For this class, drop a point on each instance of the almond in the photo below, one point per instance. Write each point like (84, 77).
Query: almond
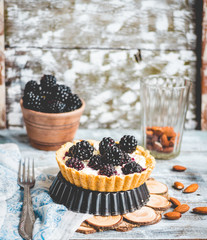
(182, 208)
(169, 131)
(157, 146)
(179, 168)
(168, 149)
(191, 188)
(155, 138)
(178, 185)
(157, 131)
(172, 142)
(149, 133)
(175, 201)
(172, 215)
(164, 141)
(149, 147)
(200, 210)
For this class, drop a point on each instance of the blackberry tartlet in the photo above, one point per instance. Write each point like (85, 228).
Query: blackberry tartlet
(105, 166)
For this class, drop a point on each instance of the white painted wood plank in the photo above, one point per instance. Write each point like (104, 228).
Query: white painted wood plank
(114, 24)
(91, 47)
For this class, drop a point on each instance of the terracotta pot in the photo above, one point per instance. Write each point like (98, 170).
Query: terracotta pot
(48, 131)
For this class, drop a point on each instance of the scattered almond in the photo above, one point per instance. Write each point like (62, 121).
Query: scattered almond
(172, 215)
(179, 168)
(175, 201)
(200, 210)
(178, 185)
(182, 208)
(191, 188)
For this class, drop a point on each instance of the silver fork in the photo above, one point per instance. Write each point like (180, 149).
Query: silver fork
(26, 181)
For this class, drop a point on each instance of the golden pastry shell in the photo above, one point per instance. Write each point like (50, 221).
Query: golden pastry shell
(103, 183)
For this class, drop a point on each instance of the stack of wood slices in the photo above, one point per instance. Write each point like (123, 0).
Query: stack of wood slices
(159, 202)
(150, 214)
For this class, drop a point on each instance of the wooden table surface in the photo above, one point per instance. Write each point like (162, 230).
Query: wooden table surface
(193, 155)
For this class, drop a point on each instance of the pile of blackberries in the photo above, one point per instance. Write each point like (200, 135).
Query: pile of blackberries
(50, 97)
(111, 155)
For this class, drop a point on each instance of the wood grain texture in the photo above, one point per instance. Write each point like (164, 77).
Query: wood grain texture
(193, 156)
(91, 46)
(108, 80)
(100, 24)
(2, 69)
(204, 68)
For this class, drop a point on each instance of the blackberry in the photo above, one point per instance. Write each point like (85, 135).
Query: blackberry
(62, 93)
(73, 102)
(125, 158)
(95, 162)
(105, 143)
(74, 163)
(46, 94)
(128, 143)
(131, 167)
(54, 106)
(31, 86)
(32, 101)
(113, 155)
(83, 150)
(107, 170)
(48, 81)
(71, 151)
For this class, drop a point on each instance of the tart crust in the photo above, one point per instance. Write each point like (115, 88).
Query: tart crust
(103, 183)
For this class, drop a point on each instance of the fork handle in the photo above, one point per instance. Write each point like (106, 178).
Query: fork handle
(27, 218)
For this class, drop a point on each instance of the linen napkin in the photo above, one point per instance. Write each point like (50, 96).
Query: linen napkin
(53, 221)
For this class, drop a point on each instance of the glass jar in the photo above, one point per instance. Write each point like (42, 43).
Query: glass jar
(164, 101)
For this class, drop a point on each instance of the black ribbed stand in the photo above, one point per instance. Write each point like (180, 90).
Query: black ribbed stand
(81, 200)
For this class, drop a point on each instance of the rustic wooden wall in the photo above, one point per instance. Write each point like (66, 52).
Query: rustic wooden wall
(204, 68)
(91, 46)
(2, 68)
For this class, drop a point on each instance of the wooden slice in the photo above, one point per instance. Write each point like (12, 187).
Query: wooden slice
(158, 219)
(150, 179)
(86, 229)
(156, 187)
(143, 216)
(108, 222)
(124, 227)
(158, 202)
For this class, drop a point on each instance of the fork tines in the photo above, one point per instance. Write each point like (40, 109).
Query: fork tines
(25, 167)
